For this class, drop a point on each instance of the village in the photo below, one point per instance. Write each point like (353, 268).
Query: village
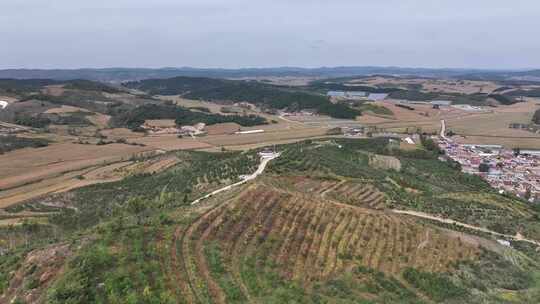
(509, 171)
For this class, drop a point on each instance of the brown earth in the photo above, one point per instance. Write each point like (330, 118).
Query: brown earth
(41, 267)
(30, 165)
(223, 128)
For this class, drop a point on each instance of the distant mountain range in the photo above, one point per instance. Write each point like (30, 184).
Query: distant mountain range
(134, 74)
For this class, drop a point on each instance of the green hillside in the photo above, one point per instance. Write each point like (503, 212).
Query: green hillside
(319, 226)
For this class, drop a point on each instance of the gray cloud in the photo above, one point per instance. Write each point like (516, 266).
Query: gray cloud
(242, 33)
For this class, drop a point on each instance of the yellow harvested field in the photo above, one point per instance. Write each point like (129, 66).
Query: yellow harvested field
(171, 142)
(266, 137)
(222, 128)
(188, 103)
(160, 123)
(118, 133)
(371, 119)
(30, 165)
(490, 126)
(85, 177)
(433, 85)
(61, 183)
(531, 143)
(493, 128)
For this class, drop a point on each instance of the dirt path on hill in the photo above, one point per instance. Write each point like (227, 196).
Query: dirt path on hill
(517, 237)
(264, 161)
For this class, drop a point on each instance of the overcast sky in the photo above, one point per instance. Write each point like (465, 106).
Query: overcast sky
(267, 33)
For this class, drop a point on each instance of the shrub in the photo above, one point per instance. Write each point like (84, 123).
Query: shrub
(436, 286)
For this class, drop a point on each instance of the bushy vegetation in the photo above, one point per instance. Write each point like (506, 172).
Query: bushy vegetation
(11, 142)
(274, 98)
(325, 85)
(24, 86)
(414, 95)
(80, 283)
(33, 121)
(376, 109)
(503, 99)
(87, 85)
(477, 99)
(268, 96)
(183, 116)
(524, 93)
(179, 185)
(8, 263)
(437, 286)
(422, 184)
(175, 85)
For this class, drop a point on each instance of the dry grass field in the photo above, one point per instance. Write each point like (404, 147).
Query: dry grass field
(486, 127)
(493, 128)
(170, 142)
(118, 133)
(433, 85)
(63, 182)
(267, 137)
(188, 103)
(28, 165)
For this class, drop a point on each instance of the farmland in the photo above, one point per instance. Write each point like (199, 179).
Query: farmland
(331, 220)
(315, 227)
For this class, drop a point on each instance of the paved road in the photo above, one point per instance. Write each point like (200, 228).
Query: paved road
(264, 161)
(517, 237)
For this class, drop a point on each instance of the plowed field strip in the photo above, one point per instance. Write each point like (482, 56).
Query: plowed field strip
(291, 233)
(371, 245)
(293, 250)
(196, 282)
(326, 242)
(343, 253)
(327, 218)
(179, 269)
(306, 244)
(215, 290)
(332, 254)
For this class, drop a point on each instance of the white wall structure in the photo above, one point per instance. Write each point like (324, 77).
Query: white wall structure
(3, 104)
(249, 132)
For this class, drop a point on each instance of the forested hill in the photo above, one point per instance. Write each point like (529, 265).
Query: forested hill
(268, 96)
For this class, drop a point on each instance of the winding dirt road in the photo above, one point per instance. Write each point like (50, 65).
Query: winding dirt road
(264, 161)
(517, 237)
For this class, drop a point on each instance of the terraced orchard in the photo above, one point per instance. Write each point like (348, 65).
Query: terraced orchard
(265, 236)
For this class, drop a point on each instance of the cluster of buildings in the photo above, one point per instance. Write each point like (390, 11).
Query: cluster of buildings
(516, 172)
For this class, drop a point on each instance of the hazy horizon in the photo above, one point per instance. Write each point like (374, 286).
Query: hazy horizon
(62, 34)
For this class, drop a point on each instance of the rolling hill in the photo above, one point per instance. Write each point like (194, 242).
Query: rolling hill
(319, 226)
(265, 95)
